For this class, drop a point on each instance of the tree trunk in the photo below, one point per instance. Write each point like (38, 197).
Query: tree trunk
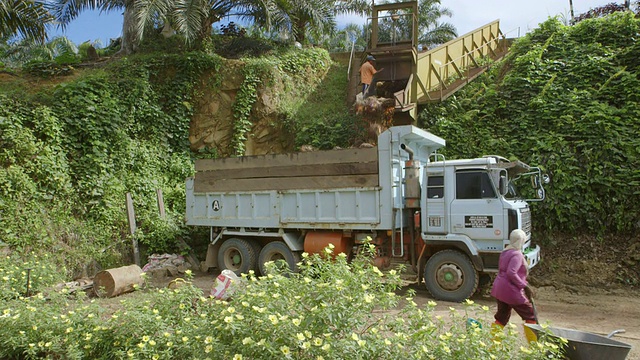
(129, 44)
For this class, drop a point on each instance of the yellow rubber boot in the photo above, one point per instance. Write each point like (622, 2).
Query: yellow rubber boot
(530, 334)
(496, 328)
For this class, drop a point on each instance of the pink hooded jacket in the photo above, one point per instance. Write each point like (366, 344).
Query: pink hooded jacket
(512, 272)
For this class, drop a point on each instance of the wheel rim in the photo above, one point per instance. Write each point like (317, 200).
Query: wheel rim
(449, 277)
(232, 259)
(276, 256)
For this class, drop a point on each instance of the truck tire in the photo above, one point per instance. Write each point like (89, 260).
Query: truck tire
(450, 276)
(277, 250)
(237, 255)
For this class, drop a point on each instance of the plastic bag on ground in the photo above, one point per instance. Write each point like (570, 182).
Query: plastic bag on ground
(226, 284)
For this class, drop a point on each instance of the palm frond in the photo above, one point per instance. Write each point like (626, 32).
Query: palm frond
(29, 19)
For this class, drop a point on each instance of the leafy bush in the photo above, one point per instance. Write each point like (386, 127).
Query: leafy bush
(329, 309)
(46, 69)
(15, 273)
(566, 98)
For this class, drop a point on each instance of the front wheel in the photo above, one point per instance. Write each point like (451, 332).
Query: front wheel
(450, 276)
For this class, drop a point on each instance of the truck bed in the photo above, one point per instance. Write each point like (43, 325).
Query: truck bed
(335, 189)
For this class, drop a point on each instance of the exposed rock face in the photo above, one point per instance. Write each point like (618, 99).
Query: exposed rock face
(212, 124)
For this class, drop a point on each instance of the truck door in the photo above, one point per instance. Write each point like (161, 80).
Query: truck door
(476, 209)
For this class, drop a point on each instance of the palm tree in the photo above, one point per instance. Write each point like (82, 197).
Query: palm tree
(59, 49)
(301, 18)
(25, 18)
(65, 11)
(194, 18)
(431, 31)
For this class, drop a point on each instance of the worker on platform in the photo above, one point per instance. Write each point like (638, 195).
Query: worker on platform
(367, 70)
(510, 283)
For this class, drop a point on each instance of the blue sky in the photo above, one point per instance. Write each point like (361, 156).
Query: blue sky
(517, 17)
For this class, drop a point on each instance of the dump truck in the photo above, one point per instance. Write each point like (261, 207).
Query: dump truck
(446, 219)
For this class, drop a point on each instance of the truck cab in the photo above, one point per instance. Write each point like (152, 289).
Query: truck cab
(469, 208)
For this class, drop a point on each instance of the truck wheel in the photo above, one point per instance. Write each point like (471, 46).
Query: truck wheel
(237, 255)
(277, 250)
(450, 276)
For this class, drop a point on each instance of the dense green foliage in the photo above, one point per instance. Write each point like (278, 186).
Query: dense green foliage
(329, 309)
(568, 99)
(70, 154)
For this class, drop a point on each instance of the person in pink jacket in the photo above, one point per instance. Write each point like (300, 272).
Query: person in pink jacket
(509, 286)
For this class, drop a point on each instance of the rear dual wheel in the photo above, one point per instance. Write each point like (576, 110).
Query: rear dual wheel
(237, 255)
(278, 251)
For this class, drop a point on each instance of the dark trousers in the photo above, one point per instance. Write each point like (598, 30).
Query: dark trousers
(504, 312)
(365, 88)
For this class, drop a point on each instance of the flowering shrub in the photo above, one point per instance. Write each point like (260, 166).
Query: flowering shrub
(14, 273)
(331, 309)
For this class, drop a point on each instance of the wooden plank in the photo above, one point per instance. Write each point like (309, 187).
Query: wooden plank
(290, 171)
(131, 217)
(294, 183)
(301, 158)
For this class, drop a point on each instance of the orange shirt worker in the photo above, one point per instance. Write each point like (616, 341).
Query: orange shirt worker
(367, 70)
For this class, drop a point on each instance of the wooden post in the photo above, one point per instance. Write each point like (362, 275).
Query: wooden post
(161, 204)
(132, 228)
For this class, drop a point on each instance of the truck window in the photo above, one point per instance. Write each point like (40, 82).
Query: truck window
(435, 187)
(474, 185)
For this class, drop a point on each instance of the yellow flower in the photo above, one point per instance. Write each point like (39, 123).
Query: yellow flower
(285, 350)
(185, 339)
(354, 336)
(237, 357)
(152, 343)
(141, 345)
(305, 345)
(295, 322)
(208, 340)
(247, 341)
(69, 329)
(300, 336)
(273, 319)
(130, 353)
(228, 319)
(326, 347)
(145, 338)
(208, 349)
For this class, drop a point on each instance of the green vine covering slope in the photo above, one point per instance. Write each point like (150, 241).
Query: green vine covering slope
(566, 98)
(69, 153)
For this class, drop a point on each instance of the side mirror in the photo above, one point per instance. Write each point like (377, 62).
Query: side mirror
(503, 185)
(546, 179)
(540, 193)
